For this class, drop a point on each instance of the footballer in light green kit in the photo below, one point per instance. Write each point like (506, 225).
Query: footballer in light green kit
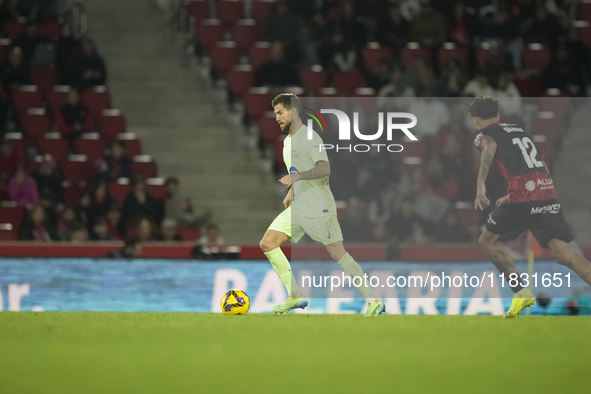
(309, 207)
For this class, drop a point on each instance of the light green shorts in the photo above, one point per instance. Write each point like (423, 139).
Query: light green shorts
(325, 229)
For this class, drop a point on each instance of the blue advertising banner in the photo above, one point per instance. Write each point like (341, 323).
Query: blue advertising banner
(79, 284)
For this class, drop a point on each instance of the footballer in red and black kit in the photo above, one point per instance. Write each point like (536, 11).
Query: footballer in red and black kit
(531, 201)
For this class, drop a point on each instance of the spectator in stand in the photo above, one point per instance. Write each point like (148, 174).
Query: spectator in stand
(22, 189)
(307, 47)
(496, 62)
(65, 48)
(146, 231)
(355, 225)
(100, 230)
(169, 231)
(461, 26)
(276, 73)
(580, 55)
(338, 54)
(381, 208)
(10, 10)
(404, 222)
(319, 25)
(102, 201)
(113, 220)
(351, 23)
(66, 222)
(179, 208)
(74, 117)
(428, 28)
(280, 24)
(10, 158)
(440, 181)
(15, 71)
(450, 229)
(380, 77)
(48, 179)
(87, 69)
(393, 29)
(28, 41)
(36, 227)
(84, 207)
(116, 163)
(79, 234)
(545, 29)
(132, 249)
(563, 74)
(453, 76)
(139, 204)
(478, 86)
(212, 236)
(508, 96)
(397, 87)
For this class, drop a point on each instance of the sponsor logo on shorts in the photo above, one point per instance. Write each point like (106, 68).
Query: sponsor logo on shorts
(490, 220)
(552, 208)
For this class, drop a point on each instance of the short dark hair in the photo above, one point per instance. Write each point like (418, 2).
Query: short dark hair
(287, 99)
(484, 107)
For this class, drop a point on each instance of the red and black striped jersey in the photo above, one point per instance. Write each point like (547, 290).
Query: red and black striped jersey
(520, 162)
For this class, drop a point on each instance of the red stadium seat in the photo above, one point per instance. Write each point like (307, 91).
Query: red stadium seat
(56, 147)
(90, 145)
(546, 123)
(209, 31)
(555, 101)
(5, 47)
(270, 131)
(25, 97)
(45, 77)
(119, 189)
(144, 165)
(17, 140)
(11, 213)
(229, 11)
(528, 86)
(57, 97)
(189, 233)
(536, 57)
(111, 123)
(544, 147)
(133, 146)
(225, 55)
(240, 79)
(411, 51)
(347, 82)
(485, 51)
(245, 33)
(450, 49)
(7, 232)
(77, 168)
(313, 78)
(278, 152)
(414, 149)
(584, 31)
(156, 187)
(259, 53)
(72, 192)
(584, 11)
(97, 99)
(261, 9)
(198, 9)
(257, 101)
(373, 53)
(35, 123)
(51, 29)
(14, 28)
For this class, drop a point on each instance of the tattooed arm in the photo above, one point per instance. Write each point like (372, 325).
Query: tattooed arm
(489, 149)
(320, 170)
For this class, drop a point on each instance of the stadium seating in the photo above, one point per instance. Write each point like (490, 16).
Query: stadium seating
(56, 147)
(35, 123)
(261, 9)
(51, 29)
(313, 78)
(257, 101)
(583, 12)
(45, 77)
(240, 79)
(189, 233)
(373, 53)
(347, 82)
(269, 128)
(12, 214)
(555, 101)
(259, 53)
(57, 97)
(119, 189)
(536, 57)
(97, 99)
(584, 31)
(546, 123)
(411, 51)
(72, 192)
(485, 50)
(5, 47)
(90, 145)
(449, 49)
(7, 232)
(224, 55)
(25, 97)
(144, 165)
(133, 146)
(209, 31)
(77, 168)
(111, 123)
(156, 187)
(245, 33)
(198, 9)
(229, 11)
(14, 28)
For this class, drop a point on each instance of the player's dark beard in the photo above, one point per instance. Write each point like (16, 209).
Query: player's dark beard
(286, 127)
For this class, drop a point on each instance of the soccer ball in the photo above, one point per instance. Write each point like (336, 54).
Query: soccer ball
(235, 302)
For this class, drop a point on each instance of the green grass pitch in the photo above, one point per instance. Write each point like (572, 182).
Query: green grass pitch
(209, 353)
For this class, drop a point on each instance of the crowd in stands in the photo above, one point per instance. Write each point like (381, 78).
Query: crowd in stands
(424, 54)
(42, 199)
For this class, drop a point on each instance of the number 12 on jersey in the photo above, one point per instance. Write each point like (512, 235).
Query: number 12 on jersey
(525, 144)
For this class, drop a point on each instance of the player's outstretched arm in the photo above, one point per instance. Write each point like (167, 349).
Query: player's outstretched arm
(489, 149)
(320, 170)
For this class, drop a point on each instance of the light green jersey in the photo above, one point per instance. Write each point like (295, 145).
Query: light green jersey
(312, 198)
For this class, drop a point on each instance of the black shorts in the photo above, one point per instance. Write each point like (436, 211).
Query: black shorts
(543, 218)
